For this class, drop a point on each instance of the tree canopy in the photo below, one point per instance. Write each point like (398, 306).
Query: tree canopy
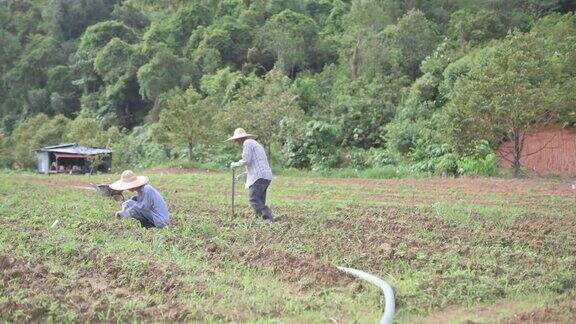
(415, 82)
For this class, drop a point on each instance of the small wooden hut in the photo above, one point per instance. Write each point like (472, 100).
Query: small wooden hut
(73, 158)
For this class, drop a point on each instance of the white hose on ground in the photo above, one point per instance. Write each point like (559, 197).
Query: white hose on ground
(389, 307)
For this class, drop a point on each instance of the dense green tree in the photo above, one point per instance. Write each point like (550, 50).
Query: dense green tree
(70, 18)
(228, 36)
(319, 10)
(415, 37)
(231, 8)
(515, 91)
(22, 86)
(335, 22)
(98, 35)
(312, 94)
(9, 51)
(177, 27)
(115, 60)
(92, 41)
(30, 71)
(363, 43)
(414, 116)
(120, 104)
(117, 63)
(185, 21)
(184, 120)
(53, 131)
(26, 19)
(130, 16)
(362, 111)
(222, 86)
(164, 72)
(4, 17)
(475, 27)
(292, 38)
(37, 101)
(369, 14)
(60, 79)
(23, 138)
(260, 107)
(387, 74)
(89, 132)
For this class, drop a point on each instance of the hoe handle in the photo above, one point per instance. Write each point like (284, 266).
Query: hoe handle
(233, 193)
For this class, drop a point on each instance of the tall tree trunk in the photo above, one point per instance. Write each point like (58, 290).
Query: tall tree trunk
(518, 145)
(126, 117)
(355, 61)
(268, 151)
(190, 151)
(154, 114)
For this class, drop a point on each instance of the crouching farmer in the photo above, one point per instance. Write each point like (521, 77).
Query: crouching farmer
(259, 174)
(148, 206)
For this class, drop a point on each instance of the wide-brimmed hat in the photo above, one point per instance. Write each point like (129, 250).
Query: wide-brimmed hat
(128, 180)
(240, 133)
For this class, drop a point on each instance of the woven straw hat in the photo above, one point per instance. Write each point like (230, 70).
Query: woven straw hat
(128, 180)
(240, 133)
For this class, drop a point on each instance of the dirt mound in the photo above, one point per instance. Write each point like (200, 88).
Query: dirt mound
(295, 268)
(96, 286)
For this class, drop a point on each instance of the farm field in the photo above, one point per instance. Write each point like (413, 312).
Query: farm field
(481, 250)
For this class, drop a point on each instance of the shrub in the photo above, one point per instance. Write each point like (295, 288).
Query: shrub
(471, 165)
(360, 159)
(137, 150)
(380, 157)
(218, 156)
(356, 159)
(314, 146)
(434, 158)
(482, 161)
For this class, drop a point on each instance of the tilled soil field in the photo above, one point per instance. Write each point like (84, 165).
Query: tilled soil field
(480, 250)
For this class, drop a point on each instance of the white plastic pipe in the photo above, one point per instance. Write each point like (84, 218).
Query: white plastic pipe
(390, 305)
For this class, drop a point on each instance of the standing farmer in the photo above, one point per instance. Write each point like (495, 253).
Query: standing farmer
(148, 207)
(259, 174)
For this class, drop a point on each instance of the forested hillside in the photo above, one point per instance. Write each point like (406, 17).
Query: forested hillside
(433, 86)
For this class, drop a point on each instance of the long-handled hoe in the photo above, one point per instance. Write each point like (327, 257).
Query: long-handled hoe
(233, 193)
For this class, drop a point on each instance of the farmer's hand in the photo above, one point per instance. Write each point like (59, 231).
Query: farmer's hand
(237, 164)
(118, 215)
(239, 177)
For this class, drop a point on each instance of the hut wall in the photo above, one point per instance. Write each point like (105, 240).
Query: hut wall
(43, 162)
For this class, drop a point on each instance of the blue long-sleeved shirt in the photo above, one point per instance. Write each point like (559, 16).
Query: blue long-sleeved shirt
(150, 199)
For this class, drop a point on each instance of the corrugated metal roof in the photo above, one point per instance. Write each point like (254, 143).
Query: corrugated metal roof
(57, 146)
(74, 148)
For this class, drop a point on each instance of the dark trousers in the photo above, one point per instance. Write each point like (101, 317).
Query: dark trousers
(144, 216)
(257, 198)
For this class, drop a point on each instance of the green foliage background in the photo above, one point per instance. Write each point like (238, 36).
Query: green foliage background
(325, 83)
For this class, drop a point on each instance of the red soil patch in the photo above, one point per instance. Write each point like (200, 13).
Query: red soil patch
(462, 185)
(545, 151)
(53, 181)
